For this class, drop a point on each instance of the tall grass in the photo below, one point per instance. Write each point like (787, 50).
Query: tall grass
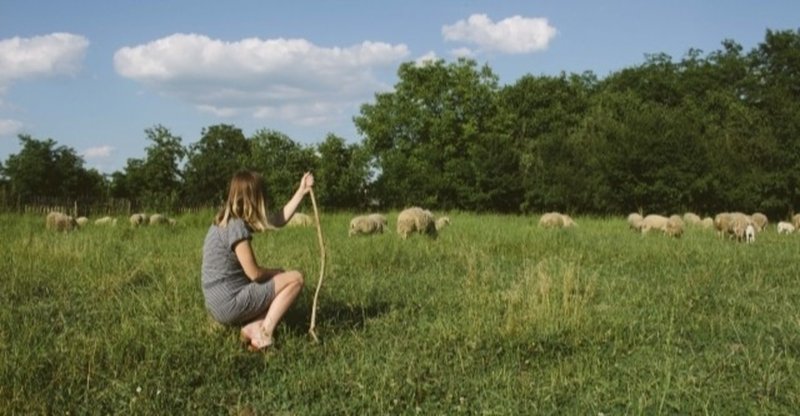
(496, 316)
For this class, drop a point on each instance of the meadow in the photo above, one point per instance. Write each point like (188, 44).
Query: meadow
(497, 316)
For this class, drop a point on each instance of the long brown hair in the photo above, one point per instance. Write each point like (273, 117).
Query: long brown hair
(246, 200)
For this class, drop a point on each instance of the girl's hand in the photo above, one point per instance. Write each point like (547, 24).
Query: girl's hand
(306, 183)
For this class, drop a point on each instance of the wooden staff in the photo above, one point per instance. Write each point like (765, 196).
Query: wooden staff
(321, 269)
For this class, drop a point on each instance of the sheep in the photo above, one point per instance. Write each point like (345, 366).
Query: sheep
(760, 221)
(105, 221)
(750, 233)
(707, 223)
(796, 221)
(300, 220)
(556, 220)
(653, 222)
(139, 219)
(159, 219)
(635, 221)
(416, 219)
(692, 218)
(738, 226)
(367, 224)
(81, 221)
(722, 223)
(785, 227)
(442, 222)
(674, 227)
(58, 221)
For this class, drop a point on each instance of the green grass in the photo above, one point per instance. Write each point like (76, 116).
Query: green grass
(496, 316)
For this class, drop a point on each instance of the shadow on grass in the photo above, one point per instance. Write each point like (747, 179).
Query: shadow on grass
(334, 316)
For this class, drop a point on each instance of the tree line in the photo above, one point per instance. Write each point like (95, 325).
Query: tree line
(707, 133)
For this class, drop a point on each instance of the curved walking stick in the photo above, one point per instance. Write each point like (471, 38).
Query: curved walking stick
(321, 269)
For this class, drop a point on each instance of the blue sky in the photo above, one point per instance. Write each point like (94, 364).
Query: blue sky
(93, 75)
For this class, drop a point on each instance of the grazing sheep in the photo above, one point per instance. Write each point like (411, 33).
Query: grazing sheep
(300, 220)
(750, 233)
(707, 223)
(367, 224)
(635, 221)
(760, 221)
(81, 221)
(159, 219)
(737, 228)
(442, 222)
(653, 222)
(416, 219)
(674, 226)
(556, 220)
(58, 221)
(139, 219)
(105, 221)
(785, 227)
(692, 218)
(722, 223)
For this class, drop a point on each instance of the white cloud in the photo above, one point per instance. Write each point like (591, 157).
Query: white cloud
(514, 35)
(427, 58)
(9, 127)
(462, 52)
(40, 56)
(289, 79)
(99, 152)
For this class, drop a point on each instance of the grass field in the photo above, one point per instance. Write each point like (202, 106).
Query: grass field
(497, 316)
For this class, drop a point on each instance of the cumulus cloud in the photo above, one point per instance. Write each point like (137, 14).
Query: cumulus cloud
(98, 152)
(514, 35)
(462, 52)
(40, 56)
(426, 59)
(9, 127)
(290, 79)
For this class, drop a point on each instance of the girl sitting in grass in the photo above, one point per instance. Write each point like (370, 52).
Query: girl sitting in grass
(237, 290)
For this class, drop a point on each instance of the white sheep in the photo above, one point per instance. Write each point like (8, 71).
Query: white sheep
(750, 233)
(159, 219)
(139, 219)
(653, 222)
(738, 226)
(635, 221)
(692, 218)
(707, 223)
(81, 221)
(105, 221)
(300, 220)
(722, 223)
(556, 220)
(416, 220)
(785, 227)
(367, 224)
(442, 222)
(58, 221)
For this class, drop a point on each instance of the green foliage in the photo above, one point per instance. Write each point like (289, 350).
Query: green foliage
(496, 316)
(211, 162)
(341, 174)
(281, 161)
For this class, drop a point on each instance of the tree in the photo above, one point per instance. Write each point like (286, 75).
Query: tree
(281, 161)
(42, 168)
(211, 162)
(342, 174)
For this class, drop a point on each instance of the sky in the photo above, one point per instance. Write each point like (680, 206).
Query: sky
(93, 75)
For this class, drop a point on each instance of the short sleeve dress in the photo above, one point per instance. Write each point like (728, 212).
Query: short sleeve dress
(230, 296)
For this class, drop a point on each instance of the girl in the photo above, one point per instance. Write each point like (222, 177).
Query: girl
(237, 290)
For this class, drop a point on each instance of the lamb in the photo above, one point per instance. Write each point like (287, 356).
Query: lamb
(442, 222)
(785, 227)
(556, 220)
(750, 233)
(367, 224)
(58, 221)
(105, 221)
(139, 219)
(760, 221)
(416, 219)
(300, 220)
(635, 221)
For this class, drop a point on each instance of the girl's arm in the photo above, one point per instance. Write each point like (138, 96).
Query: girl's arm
(305, 186)
(246, 257)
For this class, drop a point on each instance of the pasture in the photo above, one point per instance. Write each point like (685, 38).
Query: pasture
(497, 316)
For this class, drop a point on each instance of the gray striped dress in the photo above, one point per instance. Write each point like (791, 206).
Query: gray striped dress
(230, 296)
